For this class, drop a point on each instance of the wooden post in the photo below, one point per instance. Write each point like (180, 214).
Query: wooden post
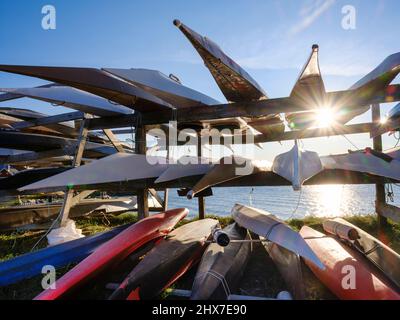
(114, 141)
(166, 192)
(165, 203)
(201, 199)
(141, 194)
(69, 193)
(380, 195)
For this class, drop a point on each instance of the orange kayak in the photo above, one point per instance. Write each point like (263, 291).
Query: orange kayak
(347, 273)
(114, 251)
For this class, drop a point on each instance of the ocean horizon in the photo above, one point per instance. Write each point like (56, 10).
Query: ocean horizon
(318, 200)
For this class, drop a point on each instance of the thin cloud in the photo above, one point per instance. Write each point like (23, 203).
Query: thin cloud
(310, 14)
(345, 70)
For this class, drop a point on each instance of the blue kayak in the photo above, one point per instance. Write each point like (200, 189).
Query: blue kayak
(30, 264)
(394, 113)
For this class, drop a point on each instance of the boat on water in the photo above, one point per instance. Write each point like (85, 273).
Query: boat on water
(114, 251)
(169, 260)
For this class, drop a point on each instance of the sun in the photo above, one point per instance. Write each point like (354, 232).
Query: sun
(324, 117)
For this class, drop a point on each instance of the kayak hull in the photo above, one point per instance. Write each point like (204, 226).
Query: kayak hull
(273, 229)
(221, 268)
(30, 265)
(114, 251)
(386, 259)
(347, 273)
(169, 260)
(289, 266)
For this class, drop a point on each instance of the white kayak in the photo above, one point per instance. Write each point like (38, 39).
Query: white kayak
(158, 84)
(74, 99)
(228, 169)
(185, 167)
(275, 230)
(119, 167)
(386, 164)
(297, 166)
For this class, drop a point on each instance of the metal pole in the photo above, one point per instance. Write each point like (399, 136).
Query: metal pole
(380, 196)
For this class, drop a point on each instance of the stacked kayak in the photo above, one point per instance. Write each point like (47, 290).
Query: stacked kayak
(114, 251)
(221, 268)
(289, 265)
(167, 261)
(30, 264)
(386, 259)
(347, 273)
(271, 228)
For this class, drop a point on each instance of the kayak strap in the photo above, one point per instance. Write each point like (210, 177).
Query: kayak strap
(271, 228)
(373, 249)
(221, 279)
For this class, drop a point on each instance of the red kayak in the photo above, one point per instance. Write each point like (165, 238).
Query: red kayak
(114, 251)
(167, 261)
(347, 273)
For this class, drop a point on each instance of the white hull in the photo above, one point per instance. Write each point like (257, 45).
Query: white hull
(297, 166)
(74, 99)
(114, 168)
(271, 228)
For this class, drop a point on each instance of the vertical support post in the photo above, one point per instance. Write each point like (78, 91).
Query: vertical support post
(69, 193)
(166, 191)
(380, 196)
(141, 194)
(201, 200)
(114, 141)
(165, 203)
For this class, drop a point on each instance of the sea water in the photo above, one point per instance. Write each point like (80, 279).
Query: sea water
(320, 201)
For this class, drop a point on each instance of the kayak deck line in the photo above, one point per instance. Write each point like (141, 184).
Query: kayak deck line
(260, 222)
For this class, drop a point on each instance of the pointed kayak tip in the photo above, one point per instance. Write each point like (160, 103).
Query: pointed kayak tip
(190, 195)
(317, 262)
(320, 265)
(315, 47)
(177, 23)
(296, 186)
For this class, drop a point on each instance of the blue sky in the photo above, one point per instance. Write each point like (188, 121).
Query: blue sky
(270, 39)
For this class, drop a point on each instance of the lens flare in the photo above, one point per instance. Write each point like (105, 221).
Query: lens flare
(324, 117)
